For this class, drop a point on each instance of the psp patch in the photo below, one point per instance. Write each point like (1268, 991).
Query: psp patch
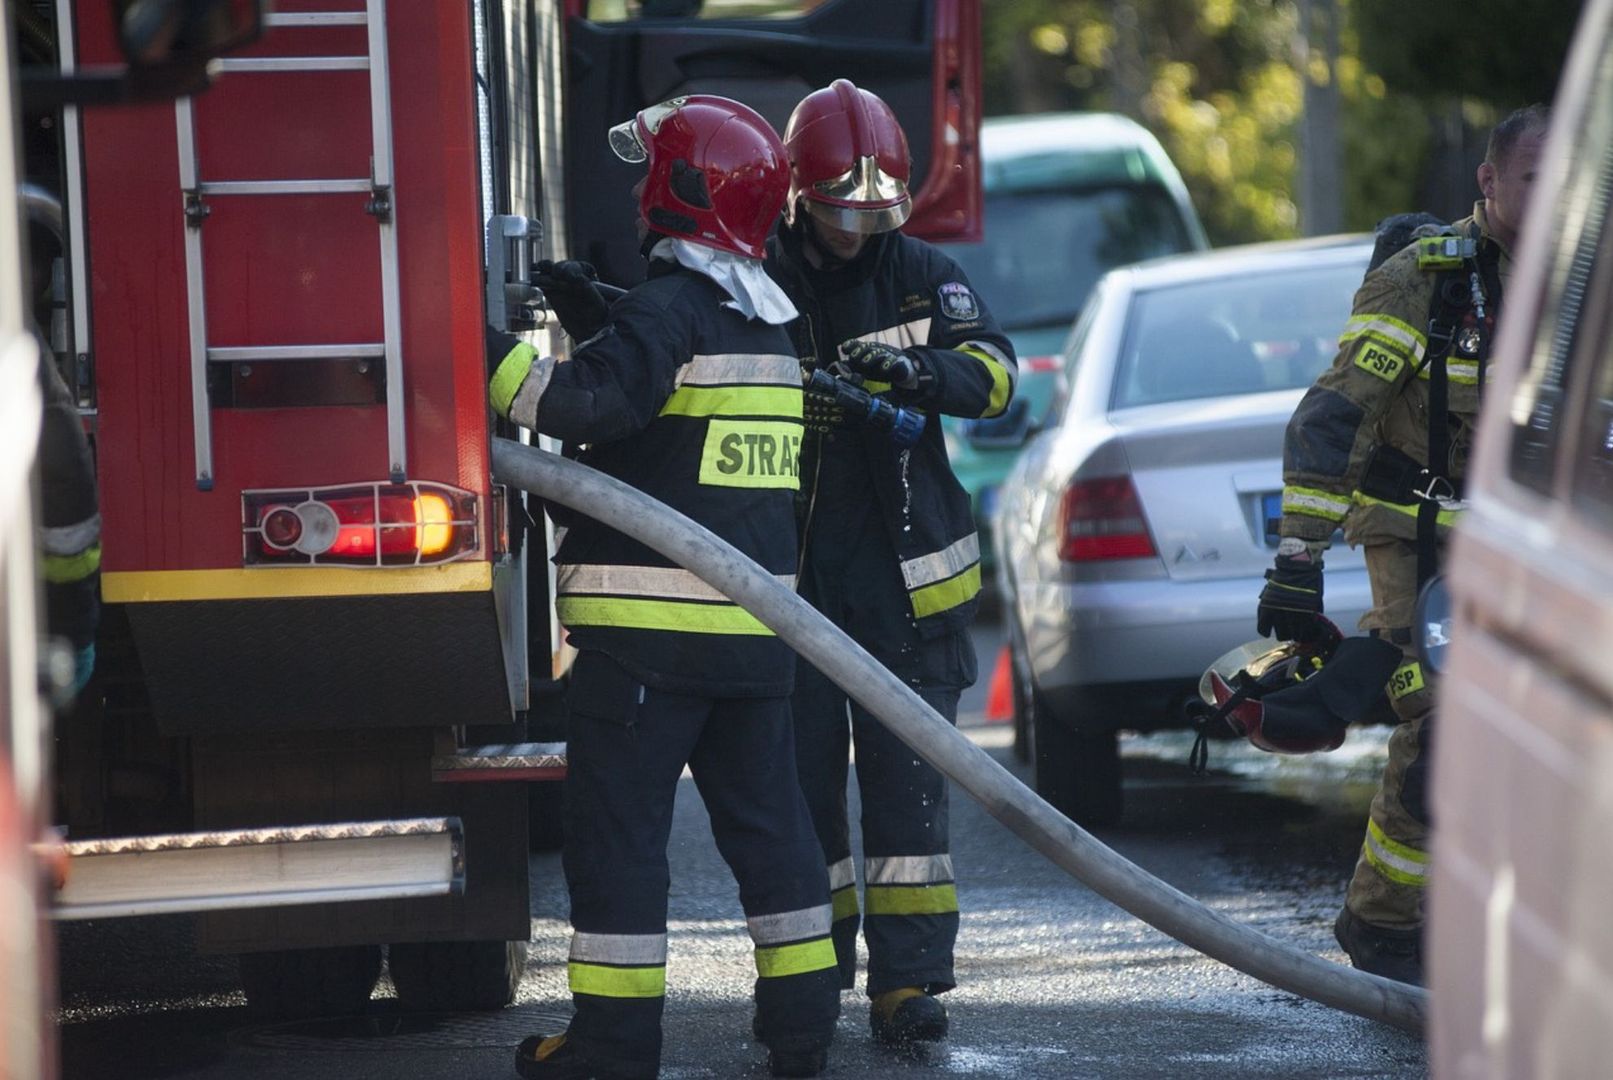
(958, 302)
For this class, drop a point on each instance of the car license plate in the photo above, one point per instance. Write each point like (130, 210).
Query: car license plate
(1271, 516)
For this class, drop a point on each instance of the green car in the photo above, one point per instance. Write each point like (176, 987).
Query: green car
(1069, 196)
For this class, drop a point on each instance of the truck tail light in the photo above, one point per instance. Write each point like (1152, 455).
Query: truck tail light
(1103, 519)
(359, 525)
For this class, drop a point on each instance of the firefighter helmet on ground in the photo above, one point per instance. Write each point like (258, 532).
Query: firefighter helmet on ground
(717, 171)
(849, 166)
(1299, 697)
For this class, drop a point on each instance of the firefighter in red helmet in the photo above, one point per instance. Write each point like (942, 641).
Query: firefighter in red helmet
(890, 553)
(686, 388)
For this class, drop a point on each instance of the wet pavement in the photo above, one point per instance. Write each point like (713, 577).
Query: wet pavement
(1054, 982)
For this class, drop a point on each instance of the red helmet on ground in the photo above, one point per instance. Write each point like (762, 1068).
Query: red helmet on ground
(848, 160)
(717, 171)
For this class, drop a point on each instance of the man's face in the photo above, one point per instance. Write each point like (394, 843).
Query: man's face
(1506, 185)
(841, 244)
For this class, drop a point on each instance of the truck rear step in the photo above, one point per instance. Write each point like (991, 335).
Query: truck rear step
(259, 868)
(502, 762)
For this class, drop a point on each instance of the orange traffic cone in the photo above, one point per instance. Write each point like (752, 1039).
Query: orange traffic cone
(1000, 694)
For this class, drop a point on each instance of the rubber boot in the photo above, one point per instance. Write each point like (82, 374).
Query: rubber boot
(1380, 950)
(552, 1057)
(906, 1016)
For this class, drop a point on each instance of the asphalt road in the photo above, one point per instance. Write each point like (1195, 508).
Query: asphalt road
(1054, 981)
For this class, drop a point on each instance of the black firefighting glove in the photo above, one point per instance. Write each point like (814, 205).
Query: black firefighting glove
(882, 363)
(1291, 603)
(822, 406)
(570, 291)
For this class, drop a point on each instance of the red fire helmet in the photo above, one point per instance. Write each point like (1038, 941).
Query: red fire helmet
(848, 160)
(717, 171)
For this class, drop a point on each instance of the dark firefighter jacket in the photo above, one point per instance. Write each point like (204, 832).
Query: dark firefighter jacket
(1375, 395)
(70, 519)
(905, 293)
(700, 408)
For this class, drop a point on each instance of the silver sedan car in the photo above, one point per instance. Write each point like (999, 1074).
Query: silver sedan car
(1132, 539)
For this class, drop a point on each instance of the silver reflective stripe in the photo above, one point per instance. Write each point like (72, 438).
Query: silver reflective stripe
(1387, 328)
(908, 870)
(947, 563)
(71, 539)
(638, 950)
(659, 581)
(842, 874)
(787, 926)
(524, 409)
(900, 336)
(725, 369)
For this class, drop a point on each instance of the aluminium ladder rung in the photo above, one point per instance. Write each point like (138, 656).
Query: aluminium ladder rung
(253, 354)
(501, 762)
(286, 187)
(259, 64)
(259, 868)
(314, 18)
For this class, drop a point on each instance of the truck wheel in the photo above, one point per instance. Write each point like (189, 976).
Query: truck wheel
(299, 984)
(545, 820)
(1078, 772)
(456, 976)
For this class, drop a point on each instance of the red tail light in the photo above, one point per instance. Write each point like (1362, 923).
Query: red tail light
(359, 525)
(1103, 519)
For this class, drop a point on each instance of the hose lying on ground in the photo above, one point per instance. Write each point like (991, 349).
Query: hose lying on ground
(901, 710)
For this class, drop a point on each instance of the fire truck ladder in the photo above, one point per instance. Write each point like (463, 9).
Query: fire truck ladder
(379, 186)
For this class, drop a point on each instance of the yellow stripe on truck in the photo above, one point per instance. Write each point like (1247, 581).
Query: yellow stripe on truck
(302, 582)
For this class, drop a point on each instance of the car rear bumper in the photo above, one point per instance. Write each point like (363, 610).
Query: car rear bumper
(1083, 638)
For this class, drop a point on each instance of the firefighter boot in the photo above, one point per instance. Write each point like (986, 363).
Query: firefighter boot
(906, 1016)
(552, 1057)
(1393, 953)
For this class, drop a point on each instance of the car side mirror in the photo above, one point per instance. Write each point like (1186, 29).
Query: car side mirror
(1005, 431)
(1433, 627)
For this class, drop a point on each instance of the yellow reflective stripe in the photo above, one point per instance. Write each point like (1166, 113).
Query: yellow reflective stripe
(602, 980)
(1399, 863)
(1002, 383)
(1396, 333)
(507, 379)
(1461, 372)
(636, 614)
(1407, 679)
(751, 453)
(776, 401)
(912, 899)
(844, 902)
(1315, 502)
(289, 582)
(66, 569)
(781, 961)
(1444, 517)
(936, 598)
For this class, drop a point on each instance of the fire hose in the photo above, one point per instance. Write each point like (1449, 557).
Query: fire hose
(1004, 797)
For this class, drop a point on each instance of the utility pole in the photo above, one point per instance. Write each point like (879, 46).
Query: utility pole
(1321, 188)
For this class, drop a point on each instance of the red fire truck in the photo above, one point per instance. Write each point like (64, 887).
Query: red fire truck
(325, 626)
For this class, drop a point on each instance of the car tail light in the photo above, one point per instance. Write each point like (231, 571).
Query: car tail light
(1103, 519)
(1042, 364)
(359, 525)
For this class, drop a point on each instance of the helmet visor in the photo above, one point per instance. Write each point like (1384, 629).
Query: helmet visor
(864, 199)
(627, 138)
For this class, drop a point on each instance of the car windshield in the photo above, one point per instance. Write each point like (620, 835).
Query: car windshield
(1241, 334)
(1044, 249)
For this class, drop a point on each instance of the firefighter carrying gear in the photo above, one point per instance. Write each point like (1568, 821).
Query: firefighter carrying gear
(694, 403)
(1380, 445)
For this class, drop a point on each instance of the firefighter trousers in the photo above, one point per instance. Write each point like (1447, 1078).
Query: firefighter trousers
(911, 925)
(628, 745)
(1391, 874)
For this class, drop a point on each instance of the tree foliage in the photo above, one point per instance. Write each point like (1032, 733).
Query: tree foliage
(1222, 84)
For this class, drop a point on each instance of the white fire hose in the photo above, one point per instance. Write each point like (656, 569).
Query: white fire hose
(1071, 847)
